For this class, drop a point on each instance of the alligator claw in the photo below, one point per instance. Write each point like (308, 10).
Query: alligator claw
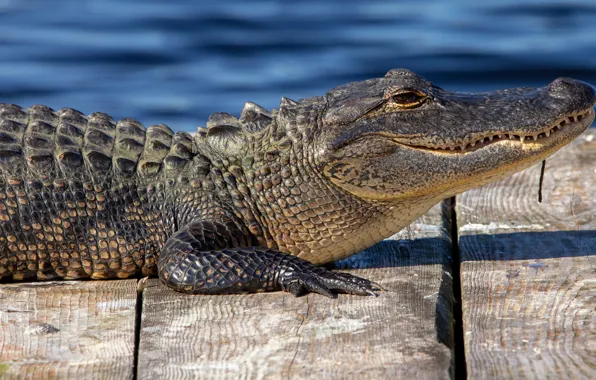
(328, 284)
(309, 284)
(361, 281)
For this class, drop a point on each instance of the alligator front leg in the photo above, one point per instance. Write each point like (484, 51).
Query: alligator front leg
(204, 258)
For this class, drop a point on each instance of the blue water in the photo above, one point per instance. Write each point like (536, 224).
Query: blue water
(177, 61)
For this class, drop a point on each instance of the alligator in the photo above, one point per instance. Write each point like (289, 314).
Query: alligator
(260, 202)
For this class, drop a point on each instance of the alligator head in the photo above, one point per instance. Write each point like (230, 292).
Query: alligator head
(400, 136)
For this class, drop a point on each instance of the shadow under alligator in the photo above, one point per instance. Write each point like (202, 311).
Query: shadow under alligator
(503, 246)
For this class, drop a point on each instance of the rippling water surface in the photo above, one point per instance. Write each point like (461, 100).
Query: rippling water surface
(175, 62)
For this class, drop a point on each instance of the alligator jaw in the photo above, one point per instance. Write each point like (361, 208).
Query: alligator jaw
(571, 122)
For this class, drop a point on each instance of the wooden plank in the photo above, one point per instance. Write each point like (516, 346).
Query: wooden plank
(407, 331)
(74, 329)
(528, 277)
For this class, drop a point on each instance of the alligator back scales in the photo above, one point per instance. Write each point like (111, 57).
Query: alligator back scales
(85, 196)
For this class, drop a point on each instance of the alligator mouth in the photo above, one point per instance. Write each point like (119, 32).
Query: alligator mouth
(564, 123)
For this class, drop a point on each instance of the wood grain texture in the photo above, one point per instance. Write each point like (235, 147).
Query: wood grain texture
(407, 331)
(57, 330)
(528, 277)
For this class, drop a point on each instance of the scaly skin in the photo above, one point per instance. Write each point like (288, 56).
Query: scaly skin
(256, 203)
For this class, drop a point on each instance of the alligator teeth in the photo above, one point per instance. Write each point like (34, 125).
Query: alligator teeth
(510, 136)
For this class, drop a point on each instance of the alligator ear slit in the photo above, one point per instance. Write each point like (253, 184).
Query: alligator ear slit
(374, 107)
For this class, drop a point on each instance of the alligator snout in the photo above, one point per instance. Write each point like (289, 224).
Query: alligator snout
(580, 92)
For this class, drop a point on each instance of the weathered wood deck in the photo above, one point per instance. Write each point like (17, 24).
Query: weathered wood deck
(528, 304)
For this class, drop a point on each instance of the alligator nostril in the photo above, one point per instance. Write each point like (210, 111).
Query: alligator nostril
(568, 88)
(561, 86)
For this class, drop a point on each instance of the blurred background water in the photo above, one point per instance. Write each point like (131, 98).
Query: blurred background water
(177, 61)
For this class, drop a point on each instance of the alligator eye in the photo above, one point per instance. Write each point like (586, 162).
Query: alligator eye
(407, 99)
